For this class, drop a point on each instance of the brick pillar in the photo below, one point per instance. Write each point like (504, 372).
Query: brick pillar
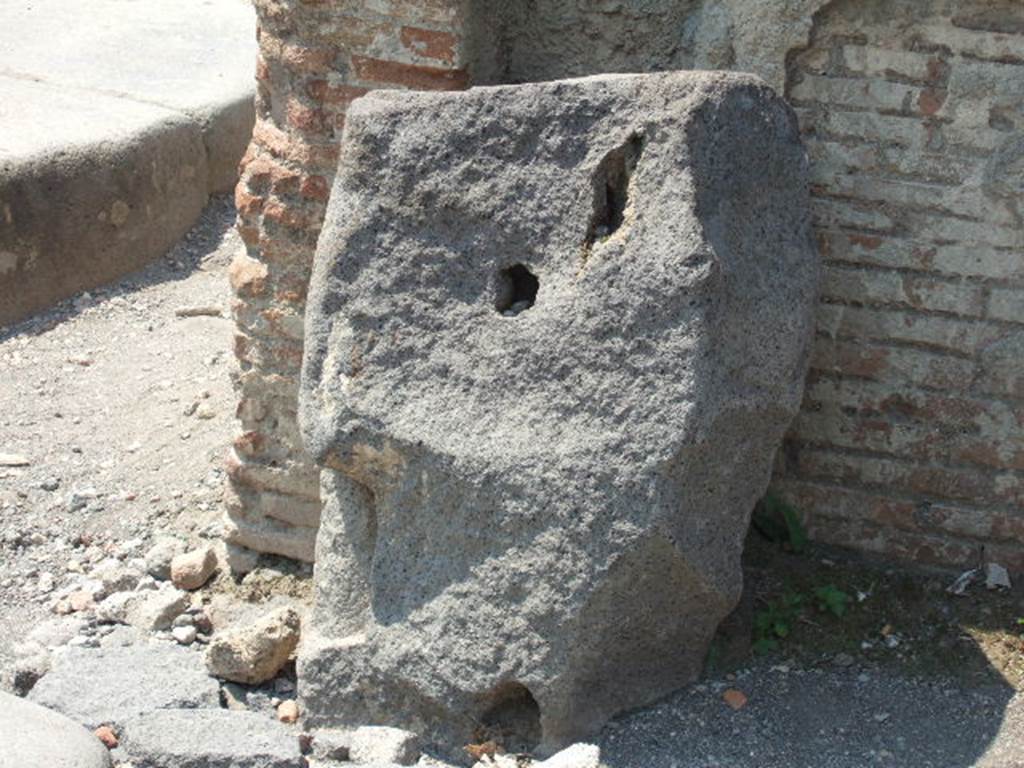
(316, 57)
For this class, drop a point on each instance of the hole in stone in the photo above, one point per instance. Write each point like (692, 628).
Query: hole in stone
(511, 719)
(517, 290)
(611, 188)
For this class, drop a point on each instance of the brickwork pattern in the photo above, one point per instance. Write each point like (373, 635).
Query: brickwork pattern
(316, 57)
(911, 439)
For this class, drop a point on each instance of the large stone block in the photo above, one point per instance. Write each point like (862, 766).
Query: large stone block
(555, 334)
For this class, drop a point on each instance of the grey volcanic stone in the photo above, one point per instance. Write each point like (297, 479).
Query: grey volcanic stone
(202, 738)
(380, 744)
(98, 686)
(38, 737)
(555, 333)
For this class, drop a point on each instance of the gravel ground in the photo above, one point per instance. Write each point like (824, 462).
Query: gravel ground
(823, 718)
(122, 410)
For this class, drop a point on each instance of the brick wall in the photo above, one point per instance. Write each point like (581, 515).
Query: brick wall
(316, 56)
(911, 439)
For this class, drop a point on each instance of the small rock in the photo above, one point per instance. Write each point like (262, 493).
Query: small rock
(192, 569)
(82, 600)
(996, 576)
(50, 484)
(106, 734)
(735, 698)
(576, 756)
(843, 660)
(381, 744)
(184, 635)
(80, 498)
(13, 460)
(332, 744)
(200, 311)
(115, 576)
(158, 608)
(159, 557)
(241, 560)
(254, 654)
(114, 608)
(205, 412)
(288, 711)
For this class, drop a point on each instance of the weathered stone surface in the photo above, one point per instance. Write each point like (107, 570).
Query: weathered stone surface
(255, 653)
(147, 609)
(380, 744)
(192, 738)
(555, 334)
(576, 756)
(104, 686)
(36, 737)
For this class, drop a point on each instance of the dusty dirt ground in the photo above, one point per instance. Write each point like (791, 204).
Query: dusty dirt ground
(122, 411)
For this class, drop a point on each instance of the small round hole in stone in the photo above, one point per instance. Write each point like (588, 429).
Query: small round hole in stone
(517, 290)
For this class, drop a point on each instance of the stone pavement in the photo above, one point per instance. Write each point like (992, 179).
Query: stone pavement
(117, 121)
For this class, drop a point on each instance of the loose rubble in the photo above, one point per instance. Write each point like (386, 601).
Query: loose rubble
(255, 653)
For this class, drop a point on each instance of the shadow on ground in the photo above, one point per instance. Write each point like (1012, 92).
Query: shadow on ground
(909, 675)
(189, 254)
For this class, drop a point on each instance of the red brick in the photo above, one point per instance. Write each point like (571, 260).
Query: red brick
(408, 75)
(430, 43)
(315, 188)
(247, 276)
(246, 203)
(309, 120)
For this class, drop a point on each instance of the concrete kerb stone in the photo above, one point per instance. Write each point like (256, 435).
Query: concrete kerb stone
(104, 166)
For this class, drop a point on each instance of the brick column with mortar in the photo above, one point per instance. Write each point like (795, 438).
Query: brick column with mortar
(316, 57)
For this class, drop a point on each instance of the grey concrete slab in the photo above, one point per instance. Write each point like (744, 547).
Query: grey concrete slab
(117, 119)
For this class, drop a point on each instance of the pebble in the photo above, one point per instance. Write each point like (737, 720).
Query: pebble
(159, 557)
(843, 660)
(81, 600)
(106, 734)
(13, 460)
(192, 569)
(288, 711)
(184, 635)
(735, 698)
(80, 497)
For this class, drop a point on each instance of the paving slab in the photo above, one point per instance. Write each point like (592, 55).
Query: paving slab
(106, 686)
(219, 738)
(118, 119)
